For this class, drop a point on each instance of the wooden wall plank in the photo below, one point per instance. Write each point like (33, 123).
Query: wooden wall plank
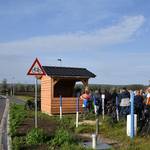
(46, 94)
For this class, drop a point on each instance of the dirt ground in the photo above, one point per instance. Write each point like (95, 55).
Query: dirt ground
(49, 127)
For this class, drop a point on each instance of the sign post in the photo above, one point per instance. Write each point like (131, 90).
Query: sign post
(35, 101)
(37, 71)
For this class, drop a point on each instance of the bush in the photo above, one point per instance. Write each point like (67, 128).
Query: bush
(30, 104)
(35, 136)
(67, 123)
(68, 146)
(85, 129)
(61, 136)
(17, 143)
(17, 115)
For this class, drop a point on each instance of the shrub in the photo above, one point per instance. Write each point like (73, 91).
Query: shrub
(85, 129)
(67, 123)
(17, 115)
(30, 104)
(17, 143)
(62, 136)
(35, 136)
(68, 146)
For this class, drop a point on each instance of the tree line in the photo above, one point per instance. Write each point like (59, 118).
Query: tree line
(16, 88)
(28, 89)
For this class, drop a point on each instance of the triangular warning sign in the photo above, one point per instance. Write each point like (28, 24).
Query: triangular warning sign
(36, 69)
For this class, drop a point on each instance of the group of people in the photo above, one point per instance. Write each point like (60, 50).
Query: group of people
(92, 101)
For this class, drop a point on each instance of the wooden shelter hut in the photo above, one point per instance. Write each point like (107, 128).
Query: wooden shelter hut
(61, 81)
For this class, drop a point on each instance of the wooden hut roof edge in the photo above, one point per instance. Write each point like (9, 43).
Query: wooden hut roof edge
(68, 72)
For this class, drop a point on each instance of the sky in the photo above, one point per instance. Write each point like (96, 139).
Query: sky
(108, 37)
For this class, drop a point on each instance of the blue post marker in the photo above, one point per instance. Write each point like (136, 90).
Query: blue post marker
(132, 115)
(60, 107)
(77, 110)
(117, 109)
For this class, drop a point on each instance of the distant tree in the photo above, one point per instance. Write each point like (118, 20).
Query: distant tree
(19, 87)
(4, 87)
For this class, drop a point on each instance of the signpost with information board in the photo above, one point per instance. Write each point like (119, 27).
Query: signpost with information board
(37, 71)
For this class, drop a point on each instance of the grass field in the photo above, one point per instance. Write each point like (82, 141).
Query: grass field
(24, 98)
(118, 133)
(54, 133)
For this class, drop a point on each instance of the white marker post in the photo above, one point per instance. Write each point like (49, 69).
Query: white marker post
(77, 111)
(103, 105)
(60, 107)
(94, 141)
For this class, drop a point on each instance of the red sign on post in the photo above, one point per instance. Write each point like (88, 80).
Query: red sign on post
(36, 69)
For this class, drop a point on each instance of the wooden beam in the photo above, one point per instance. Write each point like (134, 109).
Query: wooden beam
(55, 81)
(85, 82)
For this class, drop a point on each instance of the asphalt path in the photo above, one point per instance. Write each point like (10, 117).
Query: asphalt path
(3, 124)
(2, 107)
(3, 119)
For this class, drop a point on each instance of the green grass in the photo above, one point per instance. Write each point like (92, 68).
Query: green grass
(65, 135)
(35, 136)
(118, 132)
(85, 129)
(24, 98)
(17, 115)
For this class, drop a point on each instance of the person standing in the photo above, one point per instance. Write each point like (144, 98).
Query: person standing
(147, 104)
(124, 98)
(85, 97)
(148, 98)
(97, 102)
(138, 104)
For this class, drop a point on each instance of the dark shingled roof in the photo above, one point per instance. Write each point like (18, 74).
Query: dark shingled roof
(68, 72)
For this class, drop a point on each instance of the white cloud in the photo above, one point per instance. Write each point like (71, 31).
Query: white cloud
(121, 32)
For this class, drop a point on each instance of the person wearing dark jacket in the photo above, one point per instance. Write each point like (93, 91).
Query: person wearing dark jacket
(97, 102)
(113, 97)
(138, 104)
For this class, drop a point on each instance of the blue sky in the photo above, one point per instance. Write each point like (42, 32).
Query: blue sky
(108, 37)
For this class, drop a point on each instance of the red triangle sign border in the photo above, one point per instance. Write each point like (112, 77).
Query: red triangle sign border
(39, 65)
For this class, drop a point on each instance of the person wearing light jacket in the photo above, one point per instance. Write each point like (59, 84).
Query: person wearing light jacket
(124, 98)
